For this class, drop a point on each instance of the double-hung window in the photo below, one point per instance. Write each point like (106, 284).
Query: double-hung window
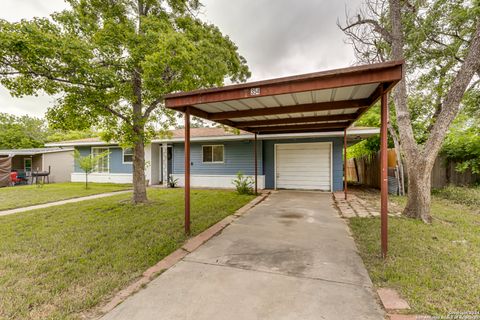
(128, 155)
(212, 154)
(101, 165)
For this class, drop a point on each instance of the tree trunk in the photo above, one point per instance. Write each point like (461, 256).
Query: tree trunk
(398, 153)
(419, 197)
(139, 187)
(420, 160)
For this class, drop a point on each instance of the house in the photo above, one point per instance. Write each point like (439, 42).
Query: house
(291, 161)
(58, 159)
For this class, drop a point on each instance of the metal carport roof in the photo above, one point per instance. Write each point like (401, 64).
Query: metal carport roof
(315, 102)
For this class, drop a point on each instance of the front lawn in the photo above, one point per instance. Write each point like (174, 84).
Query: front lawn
(29, 195)
(435, 267)
(58, 262)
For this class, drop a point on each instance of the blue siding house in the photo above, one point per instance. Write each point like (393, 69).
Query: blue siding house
(292, 161)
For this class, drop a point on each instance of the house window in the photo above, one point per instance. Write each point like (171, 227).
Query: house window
(212, 154)
(128, 155)
(101, 165)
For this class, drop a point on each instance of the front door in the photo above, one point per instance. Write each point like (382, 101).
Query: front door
(27, 164)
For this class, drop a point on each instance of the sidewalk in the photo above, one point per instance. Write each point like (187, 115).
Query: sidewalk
(59, 203)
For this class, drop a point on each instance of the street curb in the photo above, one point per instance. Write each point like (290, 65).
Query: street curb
(173, 258)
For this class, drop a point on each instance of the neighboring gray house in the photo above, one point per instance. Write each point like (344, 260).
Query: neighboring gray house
(285, 161)
(59, 159)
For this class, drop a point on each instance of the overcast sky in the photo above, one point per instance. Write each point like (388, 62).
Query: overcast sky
(277, 37)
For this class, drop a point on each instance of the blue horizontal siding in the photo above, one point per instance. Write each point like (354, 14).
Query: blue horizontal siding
(238, 156)
(116, 164)
(269, 159)
(84, 151)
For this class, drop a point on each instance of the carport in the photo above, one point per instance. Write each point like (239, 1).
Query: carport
(316, 102)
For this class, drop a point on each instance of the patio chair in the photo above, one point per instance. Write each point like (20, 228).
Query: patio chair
(22, 176)
(14, 179)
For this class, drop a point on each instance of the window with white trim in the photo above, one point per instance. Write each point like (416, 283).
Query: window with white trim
(212, 153)
(101, 165)
(128, 155)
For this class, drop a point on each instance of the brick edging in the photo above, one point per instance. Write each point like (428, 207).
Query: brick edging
(169, 261)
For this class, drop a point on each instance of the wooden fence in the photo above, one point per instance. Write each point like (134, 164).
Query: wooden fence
(444, 173)
(366, 170)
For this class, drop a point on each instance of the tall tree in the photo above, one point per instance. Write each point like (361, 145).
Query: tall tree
(112, 63)
(440, 41)
(17, 132)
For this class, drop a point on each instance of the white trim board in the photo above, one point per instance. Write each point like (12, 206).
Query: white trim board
(123, 155)
(215, 181)
(102, 177)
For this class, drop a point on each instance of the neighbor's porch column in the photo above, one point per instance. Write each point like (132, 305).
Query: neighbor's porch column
(345, 162)
(187, 170)
(384, 175)
(256, 166)
(165, 164)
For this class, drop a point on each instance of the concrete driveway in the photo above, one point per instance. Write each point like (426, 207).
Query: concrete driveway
(290, 257)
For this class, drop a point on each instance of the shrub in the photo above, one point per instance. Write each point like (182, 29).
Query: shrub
(469, 196)
(172, 183)
(243, 184)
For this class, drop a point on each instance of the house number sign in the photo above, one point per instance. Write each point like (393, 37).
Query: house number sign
(254, 91)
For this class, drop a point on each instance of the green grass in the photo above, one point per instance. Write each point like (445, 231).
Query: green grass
(469, 196)
(28, 195)
(58, 262)
(435, 267)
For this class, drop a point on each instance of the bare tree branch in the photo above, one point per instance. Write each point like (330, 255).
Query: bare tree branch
(451, 103)
(376, 27)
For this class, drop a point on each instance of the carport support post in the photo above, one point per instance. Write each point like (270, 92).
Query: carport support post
(256, 167)
(187, 170)
(345, 162)
(384, 176)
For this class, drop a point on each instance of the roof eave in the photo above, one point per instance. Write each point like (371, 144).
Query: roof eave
(351, 132)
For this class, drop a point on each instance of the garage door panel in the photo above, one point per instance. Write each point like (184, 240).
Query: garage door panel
(285, 162)
(303, 166)
(305, 146)
(306, 187)
(323, 177)
(307, 159)
(304, 174)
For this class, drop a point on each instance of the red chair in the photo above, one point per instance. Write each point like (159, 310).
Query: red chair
(14, 178)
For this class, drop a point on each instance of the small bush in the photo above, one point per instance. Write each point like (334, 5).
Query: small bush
(172, 183)
(469, 196)
(243, 184)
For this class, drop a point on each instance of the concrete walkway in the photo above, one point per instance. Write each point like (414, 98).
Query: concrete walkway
(290, 257)
(58, 203)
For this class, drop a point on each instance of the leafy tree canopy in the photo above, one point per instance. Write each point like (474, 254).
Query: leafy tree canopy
(462, 143)
(438, 34)
(371, 145)
(21, 132)
(105, 56)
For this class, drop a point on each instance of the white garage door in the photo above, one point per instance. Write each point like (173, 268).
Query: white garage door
(303, 166)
